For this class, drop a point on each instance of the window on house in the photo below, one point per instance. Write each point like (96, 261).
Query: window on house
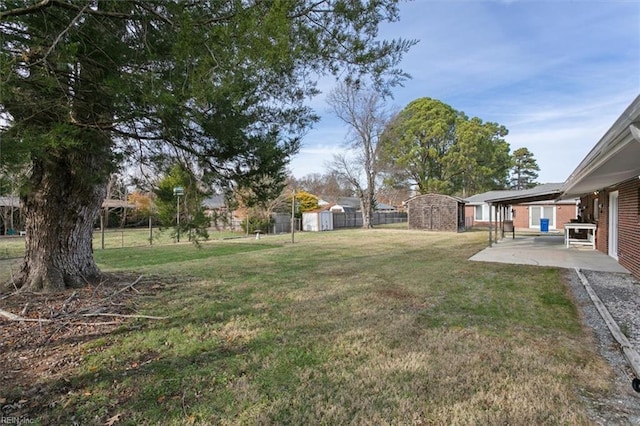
(534, 216)
(538, 212)
(483, 213)
(596, 209)
(549, 213)
(479, 215)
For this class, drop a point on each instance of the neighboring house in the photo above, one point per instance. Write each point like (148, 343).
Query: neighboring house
(382, 207)
(608, 184)
(436, 212)
(214, 202)
(525, 216)
(477, 211)
(341, 205)
(339, 208)
(221, 217)
(352, 204)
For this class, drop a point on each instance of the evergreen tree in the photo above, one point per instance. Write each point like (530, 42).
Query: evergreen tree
(190, 219)
(220, 84)
(523, 170)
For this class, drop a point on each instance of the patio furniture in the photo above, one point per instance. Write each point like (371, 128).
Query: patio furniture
(508, 227)
(577, 228)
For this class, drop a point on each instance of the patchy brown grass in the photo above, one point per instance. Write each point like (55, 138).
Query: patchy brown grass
(359, 327)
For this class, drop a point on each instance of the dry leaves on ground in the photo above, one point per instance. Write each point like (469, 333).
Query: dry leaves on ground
(40, 334)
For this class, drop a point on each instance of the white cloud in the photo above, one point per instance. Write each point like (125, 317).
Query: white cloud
(557, 74)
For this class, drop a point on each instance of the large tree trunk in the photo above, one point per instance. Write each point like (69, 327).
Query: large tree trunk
(61, 209)
(68, 179)
(366, 206)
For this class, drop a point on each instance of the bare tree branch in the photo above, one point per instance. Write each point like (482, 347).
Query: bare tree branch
(363, 110)
(25, 10)
(59, 37)
(70, 6)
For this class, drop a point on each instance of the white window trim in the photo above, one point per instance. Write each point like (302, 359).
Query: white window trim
(537, 225)
(486, 214)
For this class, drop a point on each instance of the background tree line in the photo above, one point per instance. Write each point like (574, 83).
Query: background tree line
(427, 147)
(219, 85)
(433, 147)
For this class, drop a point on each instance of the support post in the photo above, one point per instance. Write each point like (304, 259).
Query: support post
(490, 226)
(495, 219)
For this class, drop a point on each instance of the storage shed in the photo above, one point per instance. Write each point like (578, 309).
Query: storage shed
(317, 221)
(436, 212)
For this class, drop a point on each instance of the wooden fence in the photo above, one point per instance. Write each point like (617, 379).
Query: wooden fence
(354, 220)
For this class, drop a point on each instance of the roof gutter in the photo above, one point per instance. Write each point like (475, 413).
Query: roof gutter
(625, 131)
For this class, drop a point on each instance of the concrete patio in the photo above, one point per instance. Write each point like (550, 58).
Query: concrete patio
(547, 250)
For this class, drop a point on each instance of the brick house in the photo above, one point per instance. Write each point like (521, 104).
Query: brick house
(559, 212)
(435, 212)
(525, 216)
(608, 184)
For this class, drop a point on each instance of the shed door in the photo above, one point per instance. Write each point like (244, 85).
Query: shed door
(431, 216)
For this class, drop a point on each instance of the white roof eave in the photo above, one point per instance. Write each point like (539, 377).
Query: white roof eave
(614, 159)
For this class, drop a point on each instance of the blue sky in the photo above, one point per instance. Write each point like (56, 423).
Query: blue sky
(556, 73)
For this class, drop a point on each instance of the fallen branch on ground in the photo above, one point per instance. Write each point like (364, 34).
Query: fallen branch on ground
(13, 317)
(10, 316)
(129, 286)
(100, 314)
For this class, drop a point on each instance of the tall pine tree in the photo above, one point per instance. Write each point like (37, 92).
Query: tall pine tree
(524, 169)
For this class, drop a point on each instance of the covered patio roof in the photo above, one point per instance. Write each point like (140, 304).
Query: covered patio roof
(550, 191)
(614, 159)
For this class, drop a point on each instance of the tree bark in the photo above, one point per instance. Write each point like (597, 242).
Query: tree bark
(60, 212)
(69, 173)
(366, 207)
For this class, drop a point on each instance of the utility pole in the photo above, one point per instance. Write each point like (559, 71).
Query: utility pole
(178, 191)
(293, 216)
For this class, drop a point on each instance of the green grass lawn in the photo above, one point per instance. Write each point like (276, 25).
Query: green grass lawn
(386, 326)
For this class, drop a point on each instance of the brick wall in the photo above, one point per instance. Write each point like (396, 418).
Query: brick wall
(433, 212)
(564, 213)
(628, 222)
(470, 215)
(520, 216)
(629, 226)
